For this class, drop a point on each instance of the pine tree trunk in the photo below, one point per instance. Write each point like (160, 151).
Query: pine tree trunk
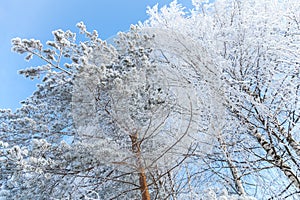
(144, 185)
(136, 148)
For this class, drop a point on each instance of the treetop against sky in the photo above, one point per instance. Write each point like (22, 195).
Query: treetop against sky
(37, 19)
(189, 104)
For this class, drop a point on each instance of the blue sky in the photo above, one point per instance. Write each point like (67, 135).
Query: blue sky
(38, 18)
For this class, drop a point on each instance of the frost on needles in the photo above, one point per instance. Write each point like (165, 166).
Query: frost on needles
(190, 104)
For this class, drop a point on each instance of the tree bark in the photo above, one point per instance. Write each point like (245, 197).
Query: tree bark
(136, 148)
(278, 161)
(144, 185)
(234, 171)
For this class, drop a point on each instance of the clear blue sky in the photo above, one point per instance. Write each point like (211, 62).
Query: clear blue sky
(38, 18)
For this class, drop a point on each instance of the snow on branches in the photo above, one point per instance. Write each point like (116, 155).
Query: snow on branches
(179, 104)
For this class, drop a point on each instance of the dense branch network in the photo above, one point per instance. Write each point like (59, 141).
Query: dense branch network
(199, 104)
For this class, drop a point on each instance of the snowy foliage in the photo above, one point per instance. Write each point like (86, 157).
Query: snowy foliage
(198, 104)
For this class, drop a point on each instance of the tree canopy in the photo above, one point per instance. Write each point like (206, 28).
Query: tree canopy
(190, 104)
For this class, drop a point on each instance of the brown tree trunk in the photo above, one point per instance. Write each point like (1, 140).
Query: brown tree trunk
(136, 148)
(144, 185)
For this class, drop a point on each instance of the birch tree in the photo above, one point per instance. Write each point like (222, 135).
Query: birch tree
(254, 48)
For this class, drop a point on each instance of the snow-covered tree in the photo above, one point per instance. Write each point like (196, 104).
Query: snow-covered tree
(254, 47)
(198, 104)
(117, 117)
